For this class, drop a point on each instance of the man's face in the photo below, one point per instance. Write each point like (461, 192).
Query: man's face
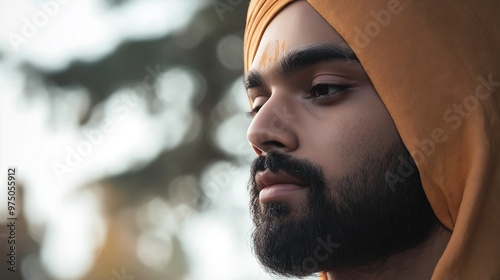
(319, 195)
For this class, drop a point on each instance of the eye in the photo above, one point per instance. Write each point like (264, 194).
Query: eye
(257, 104)
(254, 111)
(324, 90)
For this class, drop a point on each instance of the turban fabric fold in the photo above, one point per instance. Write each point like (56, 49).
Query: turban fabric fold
(436, 67)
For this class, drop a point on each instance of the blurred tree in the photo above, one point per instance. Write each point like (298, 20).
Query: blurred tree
(194, 48)
(126, 66)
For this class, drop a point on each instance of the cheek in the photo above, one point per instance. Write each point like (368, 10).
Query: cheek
(350, 134)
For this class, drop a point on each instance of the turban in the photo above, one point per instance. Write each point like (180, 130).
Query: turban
(436, 67)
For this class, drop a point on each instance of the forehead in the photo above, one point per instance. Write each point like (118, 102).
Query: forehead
(297, 26)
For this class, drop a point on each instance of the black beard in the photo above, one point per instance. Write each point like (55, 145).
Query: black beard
(355, 221)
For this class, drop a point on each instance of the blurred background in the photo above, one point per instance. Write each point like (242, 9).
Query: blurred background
(126, 122)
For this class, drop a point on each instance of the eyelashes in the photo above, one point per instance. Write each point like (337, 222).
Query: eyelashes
(317, 93)
(253, 112)
(322, 90)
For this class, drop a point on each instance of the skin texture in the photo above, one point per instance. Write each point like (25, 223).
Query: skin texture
(342, 129)
(352, 125)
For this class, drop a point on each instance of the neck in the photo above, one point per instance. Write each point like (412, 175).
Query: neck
(416, 264)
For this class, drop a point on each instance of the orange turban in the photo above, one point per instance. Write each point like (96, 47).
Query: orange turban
(436, 66)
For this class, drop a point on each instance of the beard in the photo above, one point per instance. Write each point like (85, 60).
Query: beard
(352, 222)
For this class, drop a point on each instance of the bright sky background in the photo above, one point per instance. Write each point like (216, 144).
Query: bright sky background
(56, 33)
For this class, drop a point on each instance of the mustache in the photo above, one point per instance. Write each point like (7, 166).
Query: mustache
(302, 169)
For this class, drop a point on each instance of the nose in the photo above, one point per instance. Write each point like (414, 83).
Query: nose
(273, 128)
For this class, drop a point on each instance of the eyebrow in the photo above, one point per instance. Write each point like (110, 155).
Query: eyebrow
(298, 60)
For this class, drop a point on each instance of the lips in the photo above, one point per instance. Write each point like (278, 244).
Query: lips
(277, 186)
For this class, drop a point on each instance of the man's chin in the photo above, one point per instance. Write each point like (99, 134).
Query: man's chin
(363, 223)
(279, 241)
(275, 211)
(280, 211)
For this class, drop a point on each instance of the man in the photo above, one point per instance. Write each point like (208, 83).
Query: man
(377, 128)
